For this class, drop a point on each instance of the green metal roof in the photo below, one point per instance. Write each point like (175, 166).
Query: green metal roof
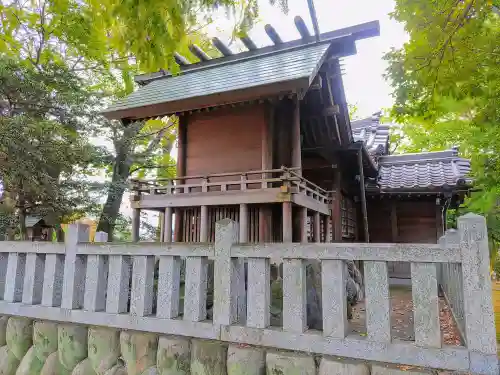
(236, 75)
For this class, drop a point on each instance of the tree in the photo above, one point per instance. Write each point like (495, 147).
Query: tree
(105, 43)
(139, 147)
(446, 83)
(44, 154)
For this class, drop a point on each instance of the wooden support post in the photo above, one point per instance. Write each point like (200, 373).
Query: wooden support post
(243, 223)
(394, 222)
(181, 171)
(317, 227)
(204, 224)
(439, 219)
(178, 224)
(329, 229)
(267, 145)
(336, 209)
(167, 236)
(287, 222)
(161, 224)
(303, 224)
(363, 196)
(263, 223)
(136, 223)
(296, 146)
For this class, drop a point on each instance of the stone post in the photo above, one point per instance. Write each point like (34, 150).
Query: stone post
(74, 267)
(229, 287)
(479, 319)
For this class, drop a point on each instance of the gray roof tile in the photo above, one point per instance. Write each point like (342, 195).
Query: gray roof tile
(374, 134)
(287, 65)
(426, 170)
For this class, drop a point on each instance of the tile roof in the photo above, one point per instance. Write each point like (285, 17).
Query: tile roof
(374, 134)
(247, 73)
(295, 62)
(426, 170)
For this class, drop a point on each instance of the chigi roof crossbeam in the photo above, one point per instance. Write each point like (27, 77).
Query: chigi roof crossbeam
(282, 68)
(361, 31)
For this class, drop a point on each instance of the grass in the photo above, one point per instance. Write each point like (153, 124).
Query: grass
(496, 306)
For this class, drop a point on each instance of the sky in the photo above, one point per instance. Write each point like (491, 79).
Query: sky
(364, 84)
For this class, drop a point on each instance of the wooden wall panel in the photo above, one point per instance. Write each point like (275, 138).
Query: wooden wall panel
(416, 221)
(225, 140)
(379, 220)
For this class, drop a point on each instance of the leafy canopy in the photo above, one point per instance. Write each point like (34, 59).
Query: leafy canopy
(108, 33)
(446, 82)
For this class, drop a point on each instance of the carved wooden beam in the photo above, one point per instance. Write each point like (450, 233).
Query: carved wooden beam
(198, 52)
(273, 34)
(301, 27)
(181, 60)
(221, 47)
(249, 43)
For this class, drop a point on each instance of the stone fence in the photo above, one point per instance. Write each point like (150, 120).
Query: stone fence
(114, 285)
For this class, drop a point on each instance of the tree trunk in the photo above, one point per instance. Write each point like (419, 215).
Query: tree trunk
(121, 172)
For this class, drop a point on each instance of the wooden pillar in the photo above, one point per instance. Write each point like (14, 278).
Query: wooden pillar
(167, 236)
(296, 146)
(287, 221)
(440, 218)
(329, 229)
(161, 224)
(303, 224)
(363, 195)
(317, 227)
(204, 224)
(136, 222)
(181, 170)
(267, 143)
(394, 222)
(336, 209)
(243, 223)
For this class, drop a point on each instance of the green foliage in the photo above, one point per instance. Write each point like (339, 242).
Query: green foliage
(446, 82)
(105, 34)
(69, 59)
(44, 154)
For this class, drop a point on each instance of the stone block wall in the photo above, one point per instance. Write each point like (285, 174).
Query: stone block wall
(29, 347)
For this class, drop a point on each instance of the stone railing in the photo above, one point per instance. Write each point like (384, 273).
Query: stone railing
(114, 285)
(451, 281)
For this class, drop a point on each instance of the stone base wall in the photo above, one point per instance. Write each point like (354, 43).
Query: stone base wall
(30, 347)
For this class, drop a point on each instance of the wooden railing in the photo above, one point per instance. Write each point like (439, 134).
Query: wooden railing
(309, 188)
(89, 284)
(261, 179)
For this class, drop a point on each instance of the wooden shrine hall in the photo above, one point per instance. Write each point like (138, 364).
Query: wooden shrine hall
(265, 138)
